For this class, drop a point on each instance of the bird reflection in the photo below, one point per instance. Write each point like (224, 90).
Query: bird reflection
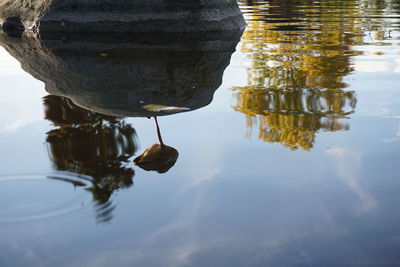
(296, 85)
(92, 145)
(158, 157)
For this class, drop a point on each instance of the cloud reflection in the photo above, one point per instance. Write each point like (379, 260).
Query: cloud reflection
(348, 164)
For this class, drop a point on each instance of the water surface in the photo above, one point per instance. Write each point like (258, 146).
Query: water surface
(287, 140)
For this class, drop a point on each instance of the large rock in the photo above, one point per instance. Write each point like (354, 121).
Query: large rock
(122, 15)
(139, 75)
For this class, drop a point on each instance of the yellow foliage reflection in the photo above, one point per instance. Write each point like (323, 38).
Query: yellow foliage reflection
(300, 52)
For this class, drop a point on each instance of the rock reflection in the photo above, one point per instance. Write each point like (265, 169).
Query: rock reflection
(95, 81)
(91, 144)
(128, 75)
(295, 84)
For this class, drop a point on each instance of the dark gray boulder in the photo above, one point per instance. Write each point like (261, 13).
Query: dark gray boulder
(128, 75)
(123, 15)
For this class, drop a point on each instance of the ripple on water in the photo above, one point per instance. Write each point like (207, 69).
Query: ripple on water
(28, 197)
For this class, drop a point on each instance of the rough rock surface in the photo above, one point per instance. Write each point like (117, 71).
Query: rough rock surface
(123, 15)
(124, 75)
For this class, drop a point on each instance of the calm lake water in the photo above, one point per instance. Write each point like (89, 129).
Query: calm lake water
(288, 137)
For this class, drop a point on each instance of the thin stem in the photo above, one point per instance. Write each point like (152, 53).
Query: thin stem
(158, 132)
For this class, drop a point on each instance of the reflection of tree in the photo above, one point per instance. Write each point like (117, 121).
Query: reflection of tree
(88, 143)
(295, 84)
(293, 117)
